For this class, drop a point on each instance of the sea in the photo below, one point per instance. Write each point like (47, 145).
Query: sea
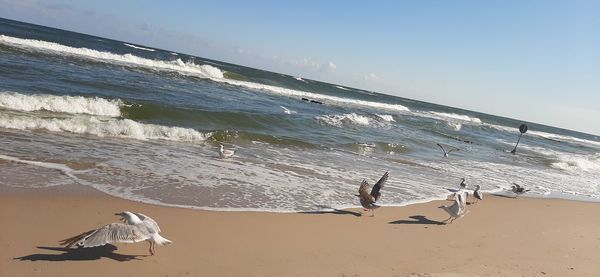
(145, 124)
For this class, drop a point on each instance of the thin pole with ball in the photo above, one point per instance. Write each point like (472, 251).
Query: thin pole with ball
(523, 129)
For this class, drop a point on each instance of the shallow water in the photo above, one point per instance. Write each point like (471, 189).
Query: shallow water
(144, 123)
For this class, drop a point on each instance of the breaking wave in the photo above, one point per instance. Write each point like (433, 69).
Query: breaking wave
(62, 104)
(139, 47)
(92, 125)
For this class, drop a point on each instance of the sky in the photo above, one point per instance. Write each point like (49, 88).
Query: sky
(537, 61)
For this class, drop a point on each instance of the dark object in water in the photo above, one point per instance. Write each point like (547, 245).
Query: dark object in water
(523, 129)
(316, 102)
(304, 99)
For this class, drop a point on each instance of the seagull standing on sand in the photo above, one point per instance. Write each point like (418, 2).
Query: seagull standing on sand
(518, 190)
(136, 227)
(446, 153)
(225, 153)
(477, 194)
(367, 200)
(456, 210)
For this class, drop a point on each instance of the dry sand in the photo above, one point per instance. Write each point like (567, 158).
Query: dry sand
(498, 237)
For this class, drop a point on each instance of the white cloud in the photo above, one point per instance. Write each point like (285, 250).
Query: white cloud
(371, 77)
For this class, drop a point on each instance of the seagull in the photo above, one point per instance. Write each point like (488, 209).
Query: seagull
(136, 227)
(446, 153)
(463, 184)
(456, 210)
(225, 153)
(367, 200)
(477, 194)
(518, 190)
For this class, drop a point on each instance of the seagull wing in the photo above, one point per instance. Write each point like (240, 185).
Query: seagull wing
(377, 187)
(441, 147)
(363, 192)
(148, 221)
(111, 233)
(517, 185)
(453, 149)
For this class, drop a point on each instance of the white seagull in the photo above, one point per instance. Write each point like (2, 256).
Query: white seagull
(456, 210)
(477, 194)
(446, 153)
(367, 200)
(225, 153)
(136, 227)
(518, 190)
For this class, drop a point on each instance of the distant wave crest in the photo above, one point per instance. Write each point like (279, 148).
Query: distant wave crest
(339, 120)
(139, 47)
(62, 104)
(205, 71)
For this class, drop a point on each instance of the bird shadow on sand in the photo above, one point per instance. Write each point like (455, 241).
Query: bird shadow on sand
(331, 210)
(417, 219)
(505, 196)
(80, 254)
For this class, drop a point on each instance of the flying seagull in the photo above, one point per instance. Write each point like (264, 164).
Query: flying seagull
(136, 227)
(518, 190)
(367, 200)
(225, 153)
(477, 194)
(456, 210)
(446, 153)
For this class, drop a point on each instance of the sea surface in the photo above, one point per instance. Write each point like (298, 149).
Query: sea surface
(145, 124)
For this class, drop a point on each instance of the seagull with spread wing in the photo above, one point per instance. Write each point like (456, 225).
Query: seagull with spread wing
(446, 153)
(456, 210)
(367, 200)
(518, 190)
(136, 227)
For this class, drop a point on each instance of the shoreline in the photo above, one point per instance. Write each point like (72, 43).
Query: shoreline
(498, 237)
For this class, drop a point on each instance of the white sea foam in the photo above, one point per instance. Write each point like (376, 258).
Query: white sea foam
(63, 104)
(572, 162)
(342, 88)
(454, 125)
(139, 47)
(287, 111)
(111, 127)
(299, 79)
(339, 120)
(454, 116)
(387, 117)
(205, 71)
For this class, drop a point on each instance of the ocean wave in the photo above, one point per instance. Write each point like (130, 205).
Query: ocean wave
(63, 104)
(111, 127)
(588, 163)
(387, 117)
(188, 68)
(342, 88)
(139, 47)
(205, 71)
(339, 120)
(453, 116)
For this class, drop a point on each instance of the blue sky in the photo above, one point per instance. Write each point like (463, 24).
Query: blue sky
(531, 60)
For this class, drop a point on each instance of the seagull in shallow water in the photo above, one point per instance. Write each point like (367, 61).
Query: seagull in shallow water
(518, 190)
(477, 193)
(367, 200)
(136, 227)
(463, 184)
(456, 210)
(446, 153)
(225, 153)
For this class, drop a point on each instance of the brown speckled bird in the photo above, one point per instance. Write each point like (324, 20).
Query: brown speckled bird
(367, 200)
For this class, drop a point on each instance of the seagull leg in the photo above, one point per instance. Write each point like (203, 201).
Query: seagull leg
(150, 249)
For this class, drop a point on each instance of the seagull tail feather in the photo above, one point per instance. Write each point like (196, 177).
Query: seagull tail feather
(161, 241)
(68, 242)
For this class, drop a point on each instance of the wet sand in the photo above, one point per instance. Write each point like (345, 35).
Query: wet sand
(499, 237)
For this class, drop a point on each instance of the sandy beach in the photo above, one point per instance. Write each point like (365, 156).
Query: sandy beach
(498, 237)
